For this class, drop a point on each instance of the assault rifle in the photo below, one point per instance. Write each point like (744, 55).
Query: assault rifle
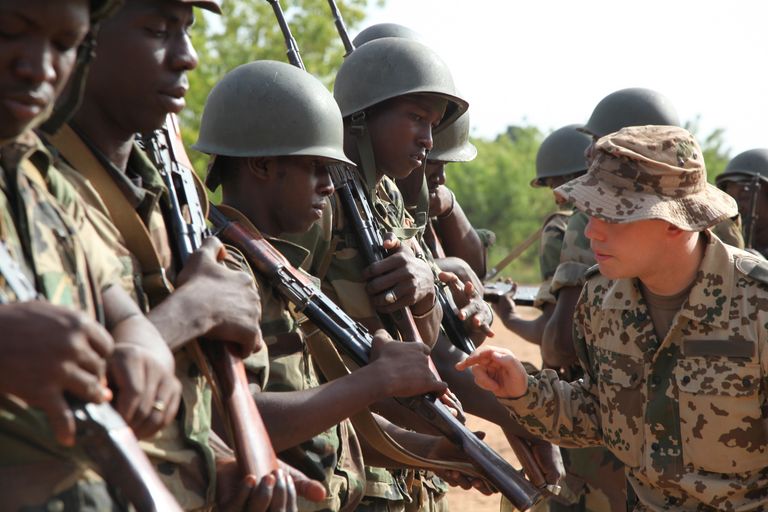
(255, 455)
(101, 431)
(341, 28)
(355, 341)
(294, 57)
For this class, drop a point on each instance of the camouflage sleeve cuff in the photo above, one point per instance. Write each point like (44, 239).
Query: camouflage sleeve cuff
(544, 295)
(520, 405)
(568, 273)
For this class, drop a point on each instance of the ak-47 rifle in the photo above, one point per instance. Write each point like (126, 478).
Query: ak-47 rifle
(294, 57)
(101, 431)
(341, 28)
(253, 449)
(355, 341)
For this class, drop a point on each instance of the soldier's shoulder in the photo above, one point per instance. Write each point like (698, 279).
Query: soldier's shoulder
(557, 220)
(750, 265)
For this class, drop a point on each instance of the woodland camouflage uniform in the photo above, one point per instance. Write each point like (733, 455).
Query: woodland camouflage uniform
(180, 452)
(44, 229)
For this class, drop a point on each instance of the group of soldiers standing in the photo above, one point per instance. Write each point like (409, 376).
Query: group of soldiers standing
(658, 380)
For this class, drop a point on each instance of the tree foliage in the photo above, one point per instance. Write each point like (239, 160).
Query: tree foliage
(248, 31)
(494, 190)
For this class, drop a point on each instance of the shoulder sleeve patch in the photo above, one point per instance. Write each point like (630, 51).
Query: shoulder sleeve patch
(754, 267)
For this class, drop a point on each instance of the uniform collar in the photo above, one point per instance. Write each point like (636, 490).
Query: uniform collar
(295, 254)
(709, 297)
(26, 146)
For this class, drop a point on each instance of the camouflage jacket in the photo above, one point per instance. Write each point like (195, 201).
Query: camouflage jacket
(291, 368)
(336, 261)
(550, 248)
(44, 229)
(180, 452)
(686, 414)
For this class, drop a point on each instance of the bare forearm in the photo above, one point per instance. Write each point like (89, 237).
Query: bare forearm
(327, 405)
(459, 239)
(177, 319)
(557, 348)
(428, 323)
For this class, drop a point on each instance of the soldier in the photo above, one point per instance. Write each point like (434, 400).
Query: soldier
(670, 333)
(136, 80)
(745, 179)
(275, 180)
(57, 283)
(594, 478)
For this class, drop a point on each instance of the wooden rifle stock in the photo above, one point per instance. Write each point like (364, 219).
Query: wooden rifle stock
(253, 449)
(110, 443)
(354, 340)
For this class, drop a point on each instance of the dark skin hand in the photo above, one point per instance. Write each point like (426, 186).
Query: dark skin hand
(462, 269)
(530, 330)
(473, 310)
(141, 369)
(65, 346)
(412, 281)
(396, 369)
(232, 317)
(277, 491)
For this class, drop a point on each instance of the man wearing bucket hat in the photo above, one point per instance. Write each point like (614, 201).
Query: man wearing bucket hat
(671, 334)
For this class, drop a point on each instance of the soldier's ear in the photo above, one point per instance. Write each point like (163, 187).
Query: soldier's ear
(257, 166)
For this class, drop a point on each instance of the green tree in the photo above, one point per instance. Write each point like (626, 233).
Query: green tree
(494, 190)
(716, 154)
(248, 31)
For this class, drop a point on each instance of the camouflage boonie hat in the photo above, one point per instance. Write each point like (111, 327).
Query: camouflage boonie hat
(649, 172)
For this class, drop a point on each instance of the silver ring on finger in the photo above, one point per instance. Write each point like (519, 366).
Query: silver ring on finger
(390, 297)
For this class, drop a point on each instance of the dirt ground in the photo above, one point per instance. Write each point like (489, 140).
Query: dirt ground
(460, 500)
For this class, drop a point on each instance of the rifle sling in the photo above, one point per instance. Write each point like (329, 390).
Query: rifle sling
(127, 221)
(332, 366)
(137, 239)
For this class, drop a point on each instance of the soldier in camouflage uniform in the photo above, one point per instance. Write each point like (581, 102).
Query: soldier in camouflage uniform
(275, 180)
(671, 333)
(744, 179)
(57, 282)
(136, 80)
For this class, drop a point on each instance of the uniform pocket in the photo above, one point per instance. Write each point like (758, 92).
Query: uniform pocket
(720, 418)
(621, 406)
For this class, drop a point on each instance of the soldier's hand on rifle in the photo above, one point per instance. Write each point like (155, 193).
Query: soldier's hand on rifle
(400, 280)
(443, 449)
(225, 301)
(473, 310)
(505, 306)
(50, 351)
(549, 460)
(497, 370)
(148, 392)
(402, 369)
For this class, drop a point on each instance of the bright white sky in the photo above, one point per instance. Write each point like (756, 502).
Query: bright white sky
(549, 62)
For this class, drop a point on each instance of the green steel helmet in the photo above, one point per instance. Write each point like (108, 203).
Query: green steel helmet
(452, 144)
(390, 67)
(381, 30)
(269, 108)
(630, 107)
(561, 154)
(746, 165)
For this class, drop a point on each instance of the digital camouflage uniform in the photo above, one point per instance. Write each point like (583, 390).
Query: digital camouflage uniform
(685, 414)
(339, 265)
(180, 452)
(43, 227)
(291, 368)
